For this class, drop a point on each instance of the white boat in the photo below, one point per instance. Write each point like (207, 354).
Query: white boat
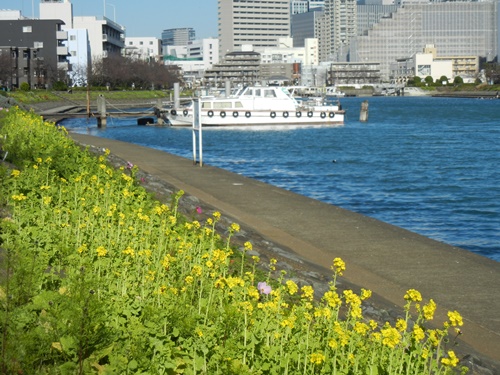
(255, 106)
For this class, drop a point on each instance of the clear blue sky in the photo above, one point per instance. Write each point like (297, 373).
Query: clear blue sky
(140, 17)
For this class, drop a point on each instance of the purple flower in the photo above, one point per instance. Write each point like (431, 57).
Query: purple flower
(130, 165)
(198, 209)
(264, 288)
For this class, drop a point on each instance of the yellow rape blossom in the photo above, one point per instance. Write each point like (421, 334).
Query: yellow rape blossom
(455, 318)
(15, 173)
(413, 295)
(332, 298)
(317, 358)
(428, 310)
(101, 251)
(418, 333)
(390, 336)
(292, 287)
(19, 197)
(401, 325)
(338, 266)
(452, 359)
(307, 292)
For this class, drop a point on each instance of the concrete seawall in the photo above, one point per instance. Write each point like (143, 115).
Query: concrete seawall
(383, 258)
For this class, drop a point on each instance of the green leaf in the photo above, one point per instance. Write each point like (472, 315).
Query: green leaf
(132, 365)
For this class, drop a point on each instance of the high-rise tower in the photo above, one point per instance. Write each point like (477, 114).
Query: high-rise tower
(259, 23)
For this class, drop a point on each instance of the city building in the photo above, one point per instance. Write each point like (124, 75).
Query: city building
(38, 56)
(57, 10)
(193, 59)
(340, 19)
(305, 25)
(287, 54)
(354, 74)
(106, 37)
(143, 48)
(177, 37)
(238, 67)
(299, 6)
(455, 28)
(259, 23)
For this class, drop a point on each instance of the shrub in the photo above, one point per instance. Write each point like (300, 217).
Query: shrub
(25, 86)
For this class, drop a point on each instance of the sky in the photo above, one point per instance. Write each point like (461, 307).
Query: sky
(146, 18)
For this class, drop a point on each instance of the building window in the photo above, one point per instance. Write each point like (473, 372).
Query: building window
(72, 37)
(27, 29)
(141, 43)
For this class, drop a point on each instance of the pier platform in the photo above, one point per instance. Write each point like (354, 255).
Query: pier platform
(381, 257)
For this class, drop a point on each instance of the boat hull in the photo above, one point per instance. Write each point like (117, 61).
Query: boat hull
(260, 118)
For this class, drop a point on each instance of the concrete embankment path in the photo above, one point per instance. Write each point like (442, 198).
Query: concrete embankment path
(383, 258)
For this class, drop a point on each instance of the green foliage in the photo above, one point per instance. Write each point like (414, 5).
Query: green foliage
(60, 86)
(458, 80)
(25, 86)
(100, 278)
(429, 80)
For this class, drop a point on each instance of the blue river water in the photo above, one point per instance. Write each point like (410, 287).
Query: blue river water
(430, 165)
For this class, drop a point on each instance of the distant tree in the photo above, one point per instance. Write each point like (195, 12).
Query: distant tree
(458, 80)
(492, 73)
(443, 80)
(429, 80)
(124, 73)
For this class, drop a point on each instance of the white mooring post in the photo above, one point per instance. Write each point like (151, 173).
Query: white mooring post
(101, 109)
(363, 114)
(197, 127)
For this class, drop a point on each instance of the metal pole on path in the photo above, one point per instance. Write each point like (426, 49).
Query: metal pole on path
(197, 126)
(363, 114)
(101, 109)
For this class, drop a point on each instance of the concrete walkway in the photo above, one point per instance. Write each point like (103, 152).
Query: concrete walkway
(383, 258)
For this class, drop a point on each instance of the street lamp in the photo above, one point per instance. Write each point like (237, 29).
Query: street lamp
(114, 12)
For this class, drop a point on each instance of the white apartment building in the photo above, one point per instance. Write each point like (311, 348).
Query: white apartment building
(57, 10)
(193, 58)
(287, 54)
(340, 17)
(105, 36)
(257, 22)
(143, 48)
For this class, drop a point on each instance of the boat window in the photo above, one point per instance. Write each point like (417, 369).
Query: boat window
(222, 105)
(238, 105)
(269, 94)
(206, 105)
(257, 92)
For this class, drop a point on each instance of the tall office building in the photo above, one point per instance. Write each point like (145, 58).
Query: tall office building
(340, 27)
(176, 37)
(252, 22)
(454, 28)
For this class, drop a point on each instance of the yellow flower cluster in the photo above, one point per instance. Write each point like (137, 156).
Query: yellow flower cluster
(338, 266)
(452, 359)
(413, 295)
(101, 251)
